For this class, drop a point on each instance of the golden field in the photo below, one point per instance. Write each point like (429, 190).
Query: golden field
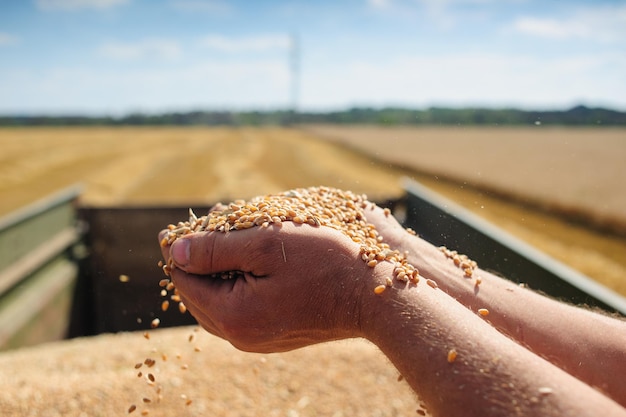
(575, 171)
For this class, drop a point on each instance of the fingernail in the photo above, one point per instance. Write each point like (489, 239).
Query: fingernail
(180, 251)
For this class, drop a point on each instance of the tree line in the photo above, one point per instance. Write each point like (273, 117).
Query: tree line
(576, 116)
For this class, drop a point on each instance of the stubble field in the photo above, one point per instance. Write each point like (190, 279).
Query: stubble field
(196, 166)
(511, 177)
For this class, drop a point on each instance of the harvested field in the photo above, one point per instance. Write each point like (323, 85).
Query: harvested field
(157, 166)
(576, 172)
(196, 166)
(570, 170)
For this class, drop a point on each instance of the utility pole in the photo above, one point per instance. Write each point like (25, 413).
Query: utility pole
(294, 66)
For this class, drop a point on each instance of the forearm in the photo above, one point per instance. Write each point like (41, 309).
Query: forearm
(417, 327)
(589, 346)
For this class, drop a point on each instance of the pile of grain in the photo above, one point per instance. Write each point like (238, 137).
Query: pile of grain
(321, 206)
(96, 377)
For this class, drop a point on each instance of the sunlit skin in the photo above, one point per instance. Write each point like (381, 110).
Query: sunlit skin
(304, 285)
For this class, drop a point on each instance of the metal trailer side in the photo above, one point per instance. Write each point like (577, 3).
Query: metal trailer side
(444, 223)
(38, 270)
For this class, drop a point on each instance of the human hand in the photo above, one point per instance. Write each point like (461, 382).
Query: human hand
(299, 285)
(431, 261)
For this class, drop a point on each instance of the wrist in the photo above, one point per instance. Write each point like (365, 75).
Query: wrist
(381, 311)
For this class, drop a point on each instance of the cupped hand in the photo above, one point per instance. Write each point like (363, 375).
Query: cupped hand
(300, 285)
(427, 258)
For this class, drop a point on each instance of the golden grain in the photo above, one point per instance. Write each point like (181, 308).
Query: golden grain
(461, 261)
(452, 354)
(380, 289)
(155, 323)
(132, 408)
(314, 206)
(165, 305)
(483, 311)
(431, 283)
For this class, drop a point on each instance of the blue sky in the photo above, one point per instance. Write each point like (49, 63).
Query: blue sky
(112, 57)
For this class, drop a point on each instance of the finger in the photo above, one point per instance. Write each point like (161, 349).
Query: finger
(197, 293)
(221, 306)
(165, 249)
(206, 253)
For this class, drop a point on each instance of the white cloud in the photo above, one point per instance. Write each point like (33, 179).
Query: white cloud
(379, 4)
(201, 6)
(552, 28)
(7, 39)
(470, 79)
(247, 44)
(78, 4)
(146, 49)
(606, 24)
(213, 85)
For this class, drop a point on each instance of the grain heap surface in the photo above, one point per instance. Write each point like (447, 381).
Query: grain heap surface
(94, 376)
(315, 206)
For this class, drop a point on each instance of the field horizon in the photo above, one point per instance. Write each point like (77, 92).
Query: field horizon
(139, 166)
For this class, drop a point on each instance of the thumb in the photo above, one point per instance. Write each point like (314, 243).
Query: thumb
(206, 253)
